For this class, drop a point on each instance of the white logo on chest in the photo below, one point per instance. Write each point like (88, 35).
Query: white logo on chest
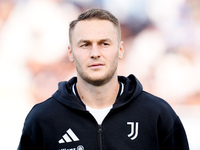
(134, 130)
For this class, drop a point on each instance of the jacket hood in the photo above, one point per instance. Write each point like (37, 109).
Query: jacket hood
(64, 94)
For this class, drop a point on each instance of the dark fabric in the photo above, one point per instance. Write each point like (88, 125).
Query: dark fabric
(138, 120)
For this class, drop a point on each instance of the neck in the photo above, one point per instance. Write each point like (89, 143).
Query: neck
(98, 97)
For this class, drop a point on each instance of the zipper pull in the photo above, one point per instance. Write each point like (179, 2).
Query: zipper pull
(100, 129)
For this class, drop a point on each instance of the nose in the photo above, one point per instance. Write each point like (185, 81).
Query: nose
(95, 52)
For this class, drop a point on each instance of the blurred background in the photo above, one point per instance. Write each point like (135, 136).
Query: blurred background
(162, 49)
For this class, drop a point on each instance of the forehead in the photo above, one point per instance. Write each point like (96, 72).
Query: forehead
(94, 29)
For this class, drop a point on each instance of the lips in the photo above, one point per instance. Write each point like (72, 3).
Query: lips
(96, 65)
(93, 65)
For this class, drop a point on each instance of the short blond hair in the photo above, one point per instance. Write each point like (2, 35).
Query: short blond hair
(93, 14)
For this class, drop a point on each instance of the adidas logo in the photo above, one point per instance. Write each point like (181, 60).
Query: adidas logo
(69, 136)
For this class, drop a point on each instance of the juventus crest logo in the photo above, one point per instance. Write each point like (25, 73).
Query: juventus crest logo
(134, 130)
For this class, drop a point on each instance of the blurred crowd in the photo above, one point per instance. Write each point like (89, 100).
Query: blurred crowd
(161, 41)
(162, 45)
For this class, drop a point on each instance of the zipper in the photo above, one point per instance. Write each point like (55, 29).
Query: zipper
(100, 137)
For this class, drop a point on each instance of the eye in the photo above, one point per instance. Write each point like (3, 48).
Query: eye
(105, 44)
(84, 45)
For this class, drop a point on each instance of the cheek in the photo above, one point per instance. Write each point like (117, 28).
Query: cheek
(79, 59)
(113, 59)
(114, 54)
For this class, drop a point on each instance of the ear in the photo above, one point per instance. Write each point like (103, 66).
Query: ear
(70, 54)
(121, 50)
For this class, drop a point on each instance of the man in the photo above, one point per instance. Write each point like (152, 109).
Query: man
(99, 110)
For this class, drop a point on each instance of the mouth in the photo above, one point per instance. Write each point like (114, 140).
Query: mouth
(96, 66)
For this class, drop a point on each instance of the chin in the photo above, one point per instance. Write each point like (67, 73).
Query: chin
(97, 81)
(98, 78)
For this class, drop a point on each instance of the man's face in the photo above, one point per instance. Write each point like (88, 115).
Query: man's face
(95, 49)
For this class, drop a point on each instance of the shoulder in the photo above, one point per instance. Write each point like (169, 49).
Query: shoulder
(157, 106)
(165, 114)
(41, 111)
(155, 101)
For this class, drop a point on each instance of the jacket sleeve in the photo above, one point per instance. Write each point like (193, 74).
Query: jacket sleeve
(175, 138)
(31, 138)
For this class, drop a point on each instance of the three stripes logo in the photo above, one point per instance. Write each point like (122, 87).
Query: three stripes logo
(68, 137)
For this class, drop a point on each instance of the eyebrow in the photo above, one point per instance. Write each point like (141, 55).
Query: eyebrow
(89, 41)
(83, 41)
(104, 40)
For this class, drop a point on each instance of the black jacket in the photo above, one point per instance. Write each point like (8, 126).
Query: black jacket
(137, 121)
